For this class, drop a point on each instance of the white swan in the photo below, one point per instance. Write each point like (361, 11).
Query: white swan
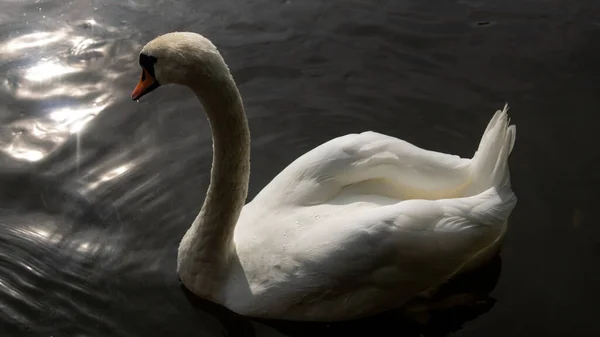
(361, 224)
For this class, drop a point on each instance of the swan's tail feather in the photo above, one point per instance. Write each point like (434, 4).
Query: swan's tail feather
(489, 166)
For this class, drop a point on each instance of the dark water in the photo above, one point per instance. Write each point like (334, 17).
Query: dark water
(96, 190)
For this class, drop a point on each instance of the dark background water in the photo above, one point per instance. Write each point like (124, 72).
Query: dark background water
(96, 190)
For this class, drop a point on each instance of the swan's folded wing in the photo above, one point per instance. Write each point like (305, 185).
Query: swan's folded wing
(416, 244)
(321, 173)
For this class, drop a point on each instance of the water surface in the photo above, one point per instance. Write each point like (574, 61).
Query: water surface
(96, 190)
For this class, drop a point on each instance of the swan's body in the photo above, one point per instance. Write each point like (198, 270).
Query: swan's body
(356, 226)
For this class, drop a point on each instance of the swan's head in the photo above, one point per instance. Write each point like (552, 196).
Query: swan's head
(183, 58)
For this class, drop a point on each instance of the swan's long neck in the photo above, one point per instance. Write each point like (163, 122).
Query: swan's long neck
(207, 248)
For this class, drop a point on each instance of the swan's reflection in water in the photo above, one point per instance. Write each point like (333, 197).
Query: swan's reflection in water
(461, 300)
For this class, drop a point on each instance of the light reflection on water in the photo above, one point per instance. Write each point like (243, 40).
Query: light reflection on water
(70, 75)
(58, 76)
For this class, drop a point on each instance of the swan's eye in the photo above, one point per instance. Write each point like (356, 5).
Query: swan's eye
(148, 81)
(147, 62)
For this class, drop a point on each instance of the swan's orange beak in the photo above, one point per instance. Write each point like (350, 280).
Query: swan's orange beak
(146, 84)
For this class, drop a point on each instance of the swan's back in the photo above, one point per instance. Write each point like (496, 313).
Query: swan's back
(365, 222)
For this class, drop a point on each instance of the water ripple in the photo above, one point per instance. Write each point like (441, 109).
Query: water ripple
(59, 80)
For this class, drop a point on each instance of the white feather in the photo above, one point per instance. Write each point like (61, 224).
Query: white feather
(358, 225)
(366, 222)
